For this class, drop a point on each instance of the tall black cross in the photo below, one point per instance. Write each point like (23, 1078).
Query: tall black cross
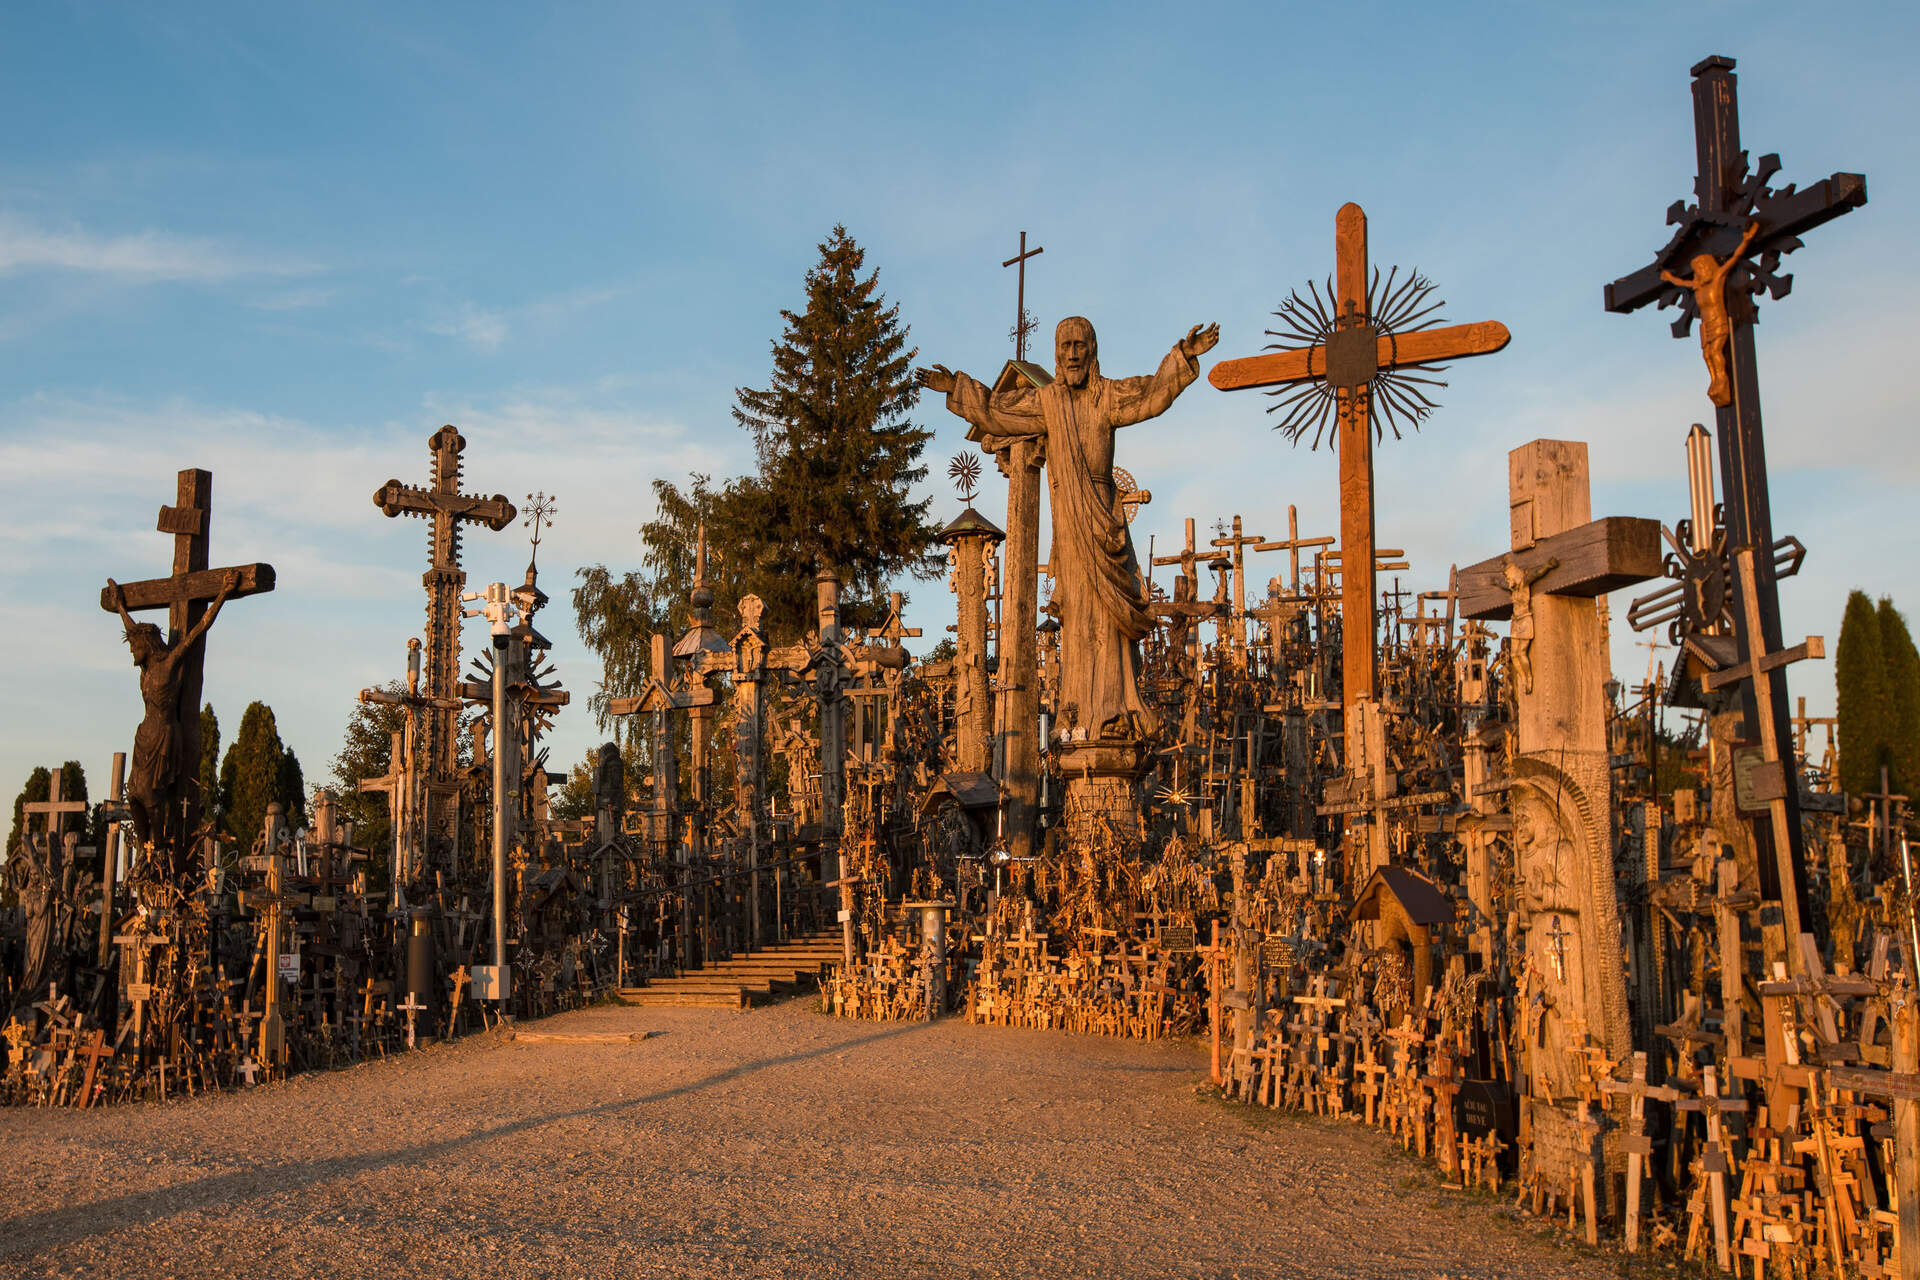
(1022, 322)
(1738, 214)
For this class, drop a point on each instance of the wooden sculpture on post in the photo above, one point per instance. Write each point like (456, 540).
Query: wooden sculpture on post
(162, 790)
(1101, 719)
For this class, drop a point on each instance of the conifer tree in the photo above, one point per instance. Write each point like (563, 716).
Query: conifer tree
(366, 752)
(209, 764)
(291, 791)
(1860, 679)
(837, 455)
(252, 775)
(1903, 700)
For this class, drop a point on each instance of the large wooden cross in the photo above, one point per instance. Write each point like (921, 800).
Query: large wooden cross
(1744, 226)
(446, 508)
(1350, 359)
(185, 596)
(54, 808)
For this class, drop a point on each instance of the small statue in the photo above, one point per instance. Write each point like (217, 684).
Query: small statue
(34, 874)
(153, 784)
(1709, 286)
(1520, 587)
(610, 784)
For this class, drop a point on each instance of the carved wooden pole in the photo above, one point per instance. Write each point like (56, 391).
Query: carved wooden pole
(972, 536)
(1019, 673)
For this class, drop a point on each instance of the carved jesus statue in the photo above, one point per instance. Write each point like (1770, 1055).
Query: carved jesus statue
(1103, 616)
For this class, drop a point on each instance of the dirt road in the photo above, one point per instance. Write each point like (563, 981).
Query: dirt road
(775, 1143)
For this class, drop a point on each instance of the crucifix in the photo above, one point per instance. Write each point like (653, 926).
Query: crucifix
(1023, 323)
(1734, 236)
(445, 508)
(1238, 543)
(1361, 350)
(1293, 544)
(162, 790)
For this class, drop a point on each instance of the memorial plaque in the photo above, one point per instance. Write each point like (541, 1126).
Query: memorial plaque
(1276, 952)
(1486, 1106)
(1177, 939)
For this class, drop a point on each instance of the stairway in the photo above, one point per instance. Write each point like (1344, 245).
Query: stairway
(744, 980)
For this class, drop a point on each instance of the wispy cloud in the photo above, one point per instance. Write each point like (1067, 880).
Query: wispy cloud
(143, 256)
(482, 328)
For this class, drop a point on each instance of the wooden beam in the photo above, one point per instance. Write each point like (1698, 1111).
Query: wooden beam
(1595, 558)
(1456, 342)
(159, 593)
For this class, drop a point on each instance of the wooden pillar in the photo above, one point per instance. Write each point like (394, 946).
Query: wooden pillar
(110, 866)
(972, 537)
(1019, 675)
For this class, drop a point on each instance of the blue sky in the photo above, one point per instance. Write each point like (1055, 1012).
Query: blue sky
(286, 243)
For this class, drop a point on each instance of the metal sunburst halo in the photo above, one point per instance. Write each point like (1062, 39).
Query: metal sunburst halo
(964, 471)
(1396, 306)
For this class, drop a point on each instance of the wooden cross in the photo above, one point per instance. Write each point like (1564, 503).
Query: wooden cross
(1739, 221)
(1293, 544)
(446, 508)
(96, 1050)
(1350, 359)
(1236, 543)
(1022, 322)
(1638, 1146)
(410, 1006)
(54, 808)
(1714, 1155)
(185, 596)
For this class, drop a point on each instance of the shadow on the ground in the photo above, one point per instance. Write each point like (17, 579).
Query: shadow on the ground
(40, 1231)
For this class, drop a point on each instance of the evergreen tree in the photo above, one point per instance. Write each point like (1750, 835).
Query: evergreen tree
(1860, 679)
(38, 787)
(209, 764)
(837, 455)
(366, 752)
(1903, 700)
(291, 791)
(252, 775)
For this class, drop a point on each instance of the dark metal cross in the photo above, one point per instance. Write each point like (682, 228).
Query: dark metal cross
(1739, 220)
(1022, 322)
(446, 508)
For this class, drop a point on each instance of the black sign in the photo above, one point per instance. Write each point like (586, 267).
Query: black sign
(1486, 1106)
(1177, 939)
(1276, 952)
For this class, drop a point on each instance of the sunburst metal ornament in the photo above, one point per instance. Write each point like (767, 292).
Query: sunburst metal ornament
(1345, 347)
(539, 515)
(964, 471)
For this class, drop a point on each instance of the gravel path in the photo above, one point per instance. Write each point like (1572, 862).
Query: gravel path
(775, 1143)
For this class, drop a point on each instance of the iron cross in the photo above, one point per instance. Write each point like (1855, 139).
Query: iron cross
(1022, 322)
(1741, 223)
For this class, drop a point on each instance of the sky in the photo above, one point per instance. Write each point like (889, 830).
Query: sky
(286, 243)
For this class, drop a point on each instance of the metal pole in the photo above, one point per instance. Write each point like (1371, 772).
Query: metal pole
(500, 813)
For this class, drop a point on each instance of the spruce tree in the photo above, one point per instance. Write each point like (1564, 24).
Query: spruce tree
(837, 455)
(209, 764)
(365, 752)
(251, 775)
(1903, 700)
(1860, 679)
(291, 791)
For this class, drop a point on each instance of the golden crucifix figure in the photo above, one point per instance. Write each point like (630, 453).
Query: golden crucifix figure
(1709, 286)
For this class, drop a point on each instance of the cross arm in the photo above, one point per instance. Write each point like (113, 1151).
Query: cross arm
(1595, 558)
(395, 499)
(158, 593)
(1454, 342)
(1781, 217)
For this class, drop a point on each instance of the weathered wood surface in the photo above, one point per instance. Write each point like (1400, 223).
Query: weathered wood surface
(1483, 337)
(206, 584)
(1595, 558)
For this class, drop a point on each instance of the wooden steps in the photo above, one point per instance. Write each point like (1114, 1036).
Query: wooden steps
(742, 981)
